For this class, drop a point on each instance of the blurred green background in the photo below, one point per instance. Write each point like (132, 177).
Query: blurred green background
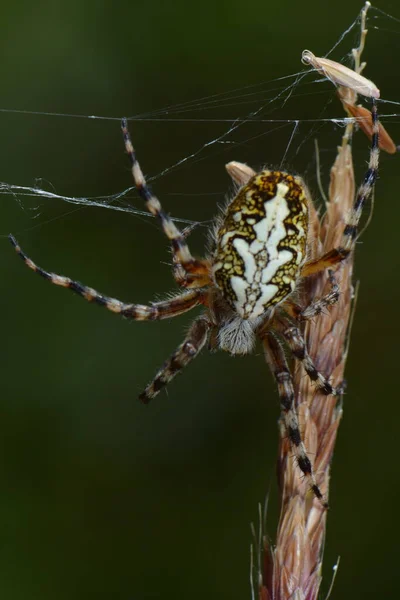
(102, 497)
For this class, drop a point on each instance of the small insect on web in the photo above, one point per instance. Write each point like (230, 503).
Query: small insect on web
(248, 283)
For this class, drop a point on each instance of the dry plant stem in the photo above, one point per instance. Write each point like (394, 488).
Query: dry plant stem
(301, 532)
(293, 569)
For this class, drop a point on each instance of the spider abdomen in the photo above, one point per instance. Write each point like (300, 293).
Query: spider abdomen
(261, 244)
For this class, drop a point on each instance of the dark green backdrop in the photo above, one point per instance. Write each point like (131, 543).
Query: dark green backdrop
(101, 497)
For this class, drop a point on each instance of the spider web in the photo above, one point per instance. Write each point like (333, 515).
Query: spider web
(258, 122)
(241, 116)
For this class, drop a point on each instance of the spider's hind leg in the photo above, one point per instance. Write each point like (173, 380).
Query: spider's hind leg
(183, 355)
(275, 357)
(298, 347)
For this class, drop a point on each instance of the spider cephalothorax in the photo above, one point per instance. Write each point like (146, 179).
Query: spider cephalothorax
(248, 285)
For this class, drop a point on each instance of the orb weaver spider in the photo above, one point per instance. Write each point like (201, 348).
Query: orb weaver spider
(249, 281)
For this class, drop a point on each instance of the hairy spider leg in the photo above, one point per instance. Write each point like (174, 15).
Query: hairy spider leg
(298, 347)
(183, 355)
(276, 360)
(336, 255)
(156, 311)
(197, 270)
(315, 308)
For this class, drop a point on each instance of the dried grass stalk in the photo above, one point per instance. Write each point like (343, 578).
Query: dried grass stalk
(293, 569)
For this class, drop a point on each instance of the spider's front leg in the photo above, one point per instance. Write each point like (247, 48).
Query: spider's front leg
(188, 271)
(350, 232)
(276, 360)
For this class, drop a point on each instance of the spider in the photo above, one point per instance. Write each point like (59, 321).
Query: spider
(248, 284)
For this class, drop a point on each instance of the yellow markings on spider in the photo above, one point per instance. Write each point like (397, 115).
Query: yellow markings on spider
(256, 262)
(261, 244)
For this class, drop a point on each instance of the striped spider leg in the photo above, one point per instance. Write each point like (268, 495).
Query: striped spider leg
(349, 237)
(248, 284)
(290, 312)
(155, 311)
(188, 272)
(195, 272)
(275, 357)
(190, 348)
(316, 307)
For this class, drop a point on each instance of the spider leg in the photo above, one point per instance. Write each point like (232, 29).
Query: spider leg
(276, 360)
(183, 355)
(197, 279)
(297, 345)
(138, 312)
(197, 270)
(336, 255)
(316, 307)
